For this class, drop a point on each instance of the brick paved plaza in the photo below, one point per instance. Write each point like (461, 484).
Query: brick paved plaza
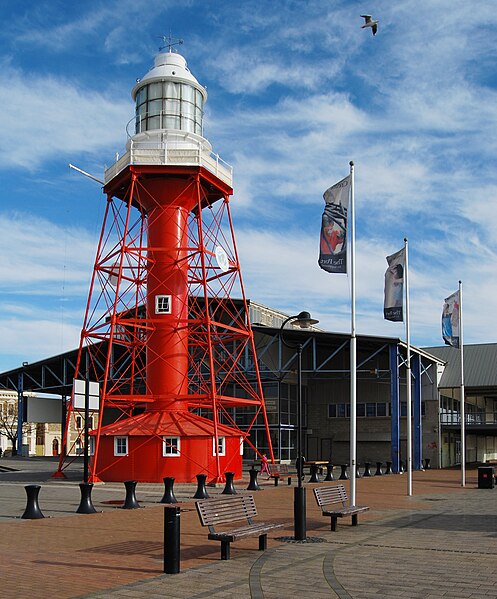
(441, 542)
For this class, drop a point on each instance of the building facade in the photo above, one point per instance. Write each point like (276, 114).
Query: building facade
(381, 397)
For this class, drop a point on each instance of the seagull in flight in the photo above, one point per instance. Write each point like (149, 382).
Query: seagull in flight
(370, 23)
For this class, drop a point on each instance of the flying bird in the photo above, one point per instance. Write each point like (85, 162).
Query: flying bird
(370, 23)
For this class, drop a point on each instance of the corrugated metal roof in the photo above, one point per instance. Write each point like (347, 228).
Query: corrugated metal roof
(480, 365)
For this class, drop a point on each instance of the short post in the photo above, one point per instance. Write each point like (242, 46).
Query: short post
(253, 484)
(367, 469)
(201, 492)
(358, 471)
(32, 511)
(401, 467)
(130, 503)
(289, 480)
(427, 464)
(171, 540)
(229, 487)
(86, 504)
(299, 513)
(329, 472)
(276, 479)
(168, 496)
(343, 475)
(389, 468)
(378, 469)
(314, 474)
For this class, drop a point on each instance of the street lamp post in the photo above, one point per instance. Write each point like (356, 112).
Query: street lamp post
(304, 321)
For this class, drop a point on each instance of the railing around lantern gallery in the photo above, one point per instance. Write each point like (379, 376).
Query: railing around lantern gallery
(181, 149)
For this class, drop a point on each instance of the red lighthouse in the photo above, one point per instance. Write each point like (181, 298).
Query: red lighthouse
(166, 332)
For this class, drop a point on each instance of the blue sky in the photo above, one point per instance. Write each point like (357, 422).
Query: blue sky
(296, 91)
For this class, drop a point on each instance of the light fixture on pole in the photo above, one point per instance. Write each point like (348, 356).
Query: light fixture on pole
(304, 321)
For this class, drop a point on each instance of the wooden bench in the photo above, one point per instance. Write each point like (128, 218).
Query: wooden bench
(327, 497)
(278, 470)
(227, 510)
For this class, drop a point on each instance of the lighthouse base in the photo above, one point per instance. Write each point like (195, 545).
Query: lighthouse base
(156, 444)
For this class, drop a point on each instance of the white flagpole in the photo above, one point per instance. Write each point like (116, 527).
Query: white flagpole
(353, 345)
(463, 411)
(408, 374)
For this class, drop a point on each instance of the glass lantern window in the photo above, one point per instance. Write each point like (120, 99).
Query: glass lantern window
(141, 96)
(171, 90)
(155, 91)
(187, 93)
(169, 105)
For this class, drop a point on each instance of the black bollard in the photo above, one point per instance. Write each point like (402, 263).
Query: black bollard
(253, 484)
(314, 474)
(329, 472)
(401, 467)
(32, 511)
(86, 505)
(130, 503)
(343, 475)
(357, 471)
(389, 468)
(367, 471)
(168, 496)
(229, 488)
(427, 464)
(378, 469)
(171, 540)
(201, 490)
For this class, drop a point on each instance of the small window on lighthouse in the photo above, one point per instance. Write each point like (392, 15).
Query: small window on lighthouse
(163, 304)
(120, 445)
(221, 446)
(170, 447)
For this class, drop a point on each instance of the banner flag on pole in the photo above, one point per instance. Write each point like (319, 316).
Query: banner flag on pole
(450, 319)
(393, 307)
(333, 239)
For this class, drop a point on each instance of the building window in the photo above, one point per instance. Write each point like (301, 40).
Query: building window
(221, 446)
(171, 446)
(363, 410)
(120, 445)
(381, 409)
(80, 423)
(163, 304)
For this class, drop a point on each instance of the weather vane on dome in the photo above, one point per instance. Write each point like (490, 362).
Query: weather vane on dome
(169, 42)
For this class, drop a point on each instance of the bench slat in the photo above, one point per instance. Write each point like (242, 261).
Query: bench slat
(246, 531)
(348, 511)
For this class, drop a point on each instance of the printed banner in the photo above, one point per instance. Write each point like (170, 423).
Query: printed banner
(450, 320)
(393, 307)
(333, 239)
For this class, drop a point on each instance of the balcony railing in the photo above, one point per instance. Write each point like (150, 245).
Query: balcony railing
(454, 418)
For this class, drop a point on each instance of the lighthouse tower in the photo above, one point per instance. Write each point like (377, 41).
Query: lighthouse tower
(166, 331)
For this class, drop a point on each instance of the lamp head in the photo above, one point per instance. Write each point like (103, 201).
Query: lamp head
(304, 320)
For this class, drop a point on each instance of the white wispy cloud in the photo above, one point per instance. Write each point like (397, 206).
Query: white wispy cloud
(44, 117)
